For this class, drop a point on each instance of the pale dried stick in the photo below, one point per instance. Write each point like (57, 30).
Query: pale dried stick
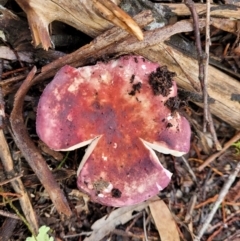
(191, 172)
(190, 209)
(10, 179)
(144, 226)
(214, 156)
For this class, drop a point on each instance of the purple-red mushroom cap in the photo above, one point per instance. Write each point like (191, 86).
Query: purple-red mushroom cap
(115, 110)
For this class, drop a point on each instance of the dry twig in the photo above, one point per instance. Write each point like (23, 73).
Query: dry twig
(205, 77)
(9, 215)
(207, 120)
(96, 49)
(189, 169)
(31, 153)
(191, 6)
(114, 41)
(16, 183)
(218, 10)
(144, 226)
(214, 156)
(10, 179)
(190, 209)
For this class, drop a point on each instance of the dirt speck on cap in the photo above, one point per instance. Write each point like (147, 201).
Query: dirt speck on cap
(135, 88)
(116, 193)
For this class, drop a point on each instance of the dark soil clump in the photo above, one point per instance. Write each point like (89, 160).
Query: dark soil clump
(161, 81)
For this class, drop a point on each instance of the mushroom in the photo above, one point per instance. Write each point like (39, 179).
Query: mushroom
(119, 110)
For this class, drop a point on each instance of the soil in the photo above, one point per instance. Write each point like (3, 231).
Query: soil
(161, 81)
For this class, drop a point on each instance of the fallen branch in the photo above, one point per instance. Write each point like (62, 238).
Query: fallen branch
(84, 54)
(220, 86)
(225, 11)
(31, 153)
(91, 17)
(115, 41)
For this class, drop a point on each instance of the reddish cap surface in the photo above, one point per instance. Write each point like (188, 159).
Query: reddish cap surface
(112, 107)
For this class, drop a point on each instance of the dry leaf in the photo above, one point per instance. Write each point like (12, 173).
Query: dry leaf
(106, 224)
(164, 221)
(7, 53)
(82, 199)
